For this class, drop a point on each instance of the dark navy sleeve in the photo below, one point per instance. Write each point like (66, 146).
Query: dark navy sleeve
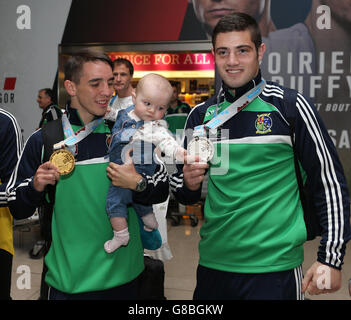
(326, 182)
(157, 189)
(23, 199)
(10, 148)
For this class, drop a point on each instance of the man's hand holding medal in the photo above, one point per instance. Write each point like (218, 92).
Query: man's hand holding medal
(61, 162)
(47, 173)
(200, 149)
(194, 171)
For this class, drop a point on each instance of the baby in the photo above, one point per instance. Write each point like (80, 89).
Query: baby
(139, 127)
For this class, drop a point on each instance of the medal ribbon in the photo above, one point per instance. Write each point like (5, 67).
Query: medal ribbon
(72, 138)
(230, 111)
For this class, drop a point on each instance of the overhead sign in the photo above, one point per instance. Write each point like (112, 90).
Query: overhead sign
(175, 64)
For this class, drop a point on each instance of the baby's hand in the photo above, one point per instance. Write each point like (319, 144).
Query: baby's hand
(180, 154)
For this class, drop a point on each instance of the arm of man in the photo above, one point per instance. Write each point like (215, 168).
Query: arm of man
(10, 149)
(327, 183)
(26, 189)
(186, 182)
(125, 176)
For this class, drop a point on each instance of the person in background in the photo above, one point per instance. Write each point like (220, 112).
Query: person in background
(46, 102)
(77, 267)
(252, 240)
(123, 71)
(176, 105)
(178, 110)
(11, 144)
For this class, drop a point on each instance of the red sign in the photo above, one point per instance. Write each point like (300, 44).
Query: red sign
(143, 61)
(10, 83)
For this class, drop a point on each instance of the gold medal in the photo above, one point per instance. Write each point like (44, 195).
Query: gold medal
(63, 160)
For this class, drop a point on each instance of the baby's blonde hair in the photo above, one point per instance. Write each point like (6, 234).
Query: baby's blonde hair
(156, 81)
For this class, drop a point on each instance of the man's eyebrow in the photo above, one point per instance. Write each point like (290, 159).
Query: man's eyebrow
(221, 48)
(99, 79)
(95, 80)
(241, 46)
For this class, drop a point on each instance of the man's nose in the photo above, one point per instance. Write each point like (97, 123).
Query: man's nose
(232, 59)
(106, 89)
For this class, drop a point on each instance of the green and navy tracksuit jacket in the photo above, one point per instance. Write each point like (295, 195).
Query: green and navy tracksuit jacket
(253, 216)
(77, 261)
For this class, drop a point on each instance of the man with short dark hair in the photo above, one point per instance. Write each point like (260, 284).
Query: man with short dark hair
(46, 101)
(252, 239)
(123, 71)
(78, 267)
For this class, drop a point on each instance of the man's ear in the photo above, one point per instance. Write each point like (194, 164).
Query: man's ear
(213, 51)
(261, 51)
(70, 87)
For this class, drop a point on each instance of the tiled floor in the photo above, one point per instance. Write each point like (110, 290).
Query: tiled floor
(179, 271)
(24, 239)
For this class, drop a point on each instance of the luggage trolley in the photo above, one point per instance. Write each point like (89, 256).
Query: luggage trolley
(176, 215)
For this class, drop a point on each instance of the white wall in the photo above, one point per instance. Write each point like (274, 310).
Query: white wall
(30, 55)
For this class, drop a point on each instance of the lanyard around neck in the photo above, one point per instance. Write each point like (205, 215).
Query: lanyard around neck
(235, 107)
(71, 137)
(230, 111)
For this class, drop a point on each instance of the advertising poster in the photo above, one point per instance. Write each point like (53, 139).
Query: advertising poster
(308, 46)
(308, 49)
